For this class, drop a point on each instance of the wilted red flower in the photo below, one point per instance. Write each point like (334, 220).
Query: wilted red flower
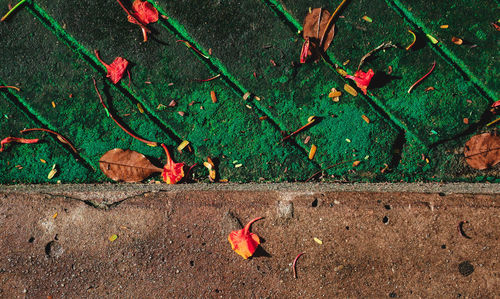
(244, 242)
(16, 139)
(172, 172)
(362, 79)
(115, 69)
(142, 14)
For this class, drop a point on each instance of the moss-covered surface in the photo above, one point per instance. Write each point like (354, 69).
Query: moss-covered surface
(418, 135)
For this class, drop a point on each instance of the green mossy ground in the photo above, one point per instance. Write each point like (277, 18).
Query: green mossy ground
(55, 60)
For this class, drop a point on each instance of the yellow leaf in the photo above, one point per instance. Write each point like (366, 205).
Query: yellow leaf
(112, 238)
(350, 90)
(318, 241)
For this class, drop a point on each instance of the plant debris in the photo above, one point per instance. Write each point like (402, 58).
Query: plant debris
(413, 42)
(382, 46)
(294, 265)
(126, 165)
(172, 172)
(213, 96)
(16, 139)
(315, 30)
(12, 10)
(11, 87)
(362, 79)
(456, 40)
(312, 152)
(421, 79)
(243, 242)
(350, 90)
(482, 151)
(151, 143)
(59, 136)
(115, 70)
(52, 172)
(310, 121)
(189, 45)
(142, 14)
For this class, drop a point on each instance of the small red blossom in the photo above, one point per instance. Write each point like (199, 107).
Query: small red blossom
(115, 69)
(144, 12)
(305, 52)
(172, 172)
(244, 242)
(16, 139)
(362, 79)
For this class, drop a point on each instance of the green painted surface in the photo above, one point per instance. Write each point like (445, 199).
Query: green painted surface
(52, 45)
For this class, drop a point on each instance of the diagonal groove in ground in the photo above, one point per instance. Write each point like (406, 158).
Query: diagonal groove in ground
(38, 120)
(441, 49)
(218, 67)
(371, 100)
(177, 30)
(53, 26)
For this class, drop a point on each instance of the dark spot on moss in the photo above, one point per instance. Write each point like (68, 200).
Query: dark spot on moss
(385, 219)
(31, 240)
(443, 246)
(387, 207)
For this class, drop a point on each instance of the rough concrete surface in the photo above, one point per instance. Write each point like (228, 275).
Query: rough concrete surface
(173, 243)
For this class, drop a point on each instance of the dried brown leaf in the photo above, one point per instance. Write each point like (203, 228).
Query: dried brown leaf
(482, 151)
(126, 165)
(315, 32)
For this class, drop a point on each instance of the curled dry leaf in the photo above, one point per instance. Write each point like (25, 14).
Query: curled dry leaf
(315, 25)
(482, 151)
(126, 165)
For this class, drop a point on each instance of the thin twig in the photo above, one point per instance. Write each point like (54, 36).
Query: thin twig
(11, 10)
(330, 22)
(151, 143)
(425, 76)
(382, 46)
(294, 265)
(299, 130)
(59, 136)
(12, 87)
(209, 79)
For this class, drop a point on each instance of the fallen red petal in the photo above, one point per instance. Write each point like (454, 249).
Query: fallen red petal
(243, 242)
(362, 79)
(115, 70)
(144, 12)
(172, 172)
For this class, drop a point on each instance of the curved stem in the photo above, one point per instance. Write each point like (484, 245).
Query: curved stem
(10, 11)
(247, 227)
(59, 136)
(12, 87)
(330, 22)
(151, 143)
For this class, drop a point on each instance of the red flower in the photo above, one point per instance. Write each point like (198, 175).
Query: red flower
(172, 172)
(116, 69)
(305, 52)
(15, 139)
(362, 79)
(244, 242)
(144, 12)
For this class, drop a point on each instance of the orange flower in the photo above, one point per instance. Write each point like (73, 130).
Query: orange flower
(115, 69)
(244, 242)
(15, 139)
(172, 172)
(362, 79)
